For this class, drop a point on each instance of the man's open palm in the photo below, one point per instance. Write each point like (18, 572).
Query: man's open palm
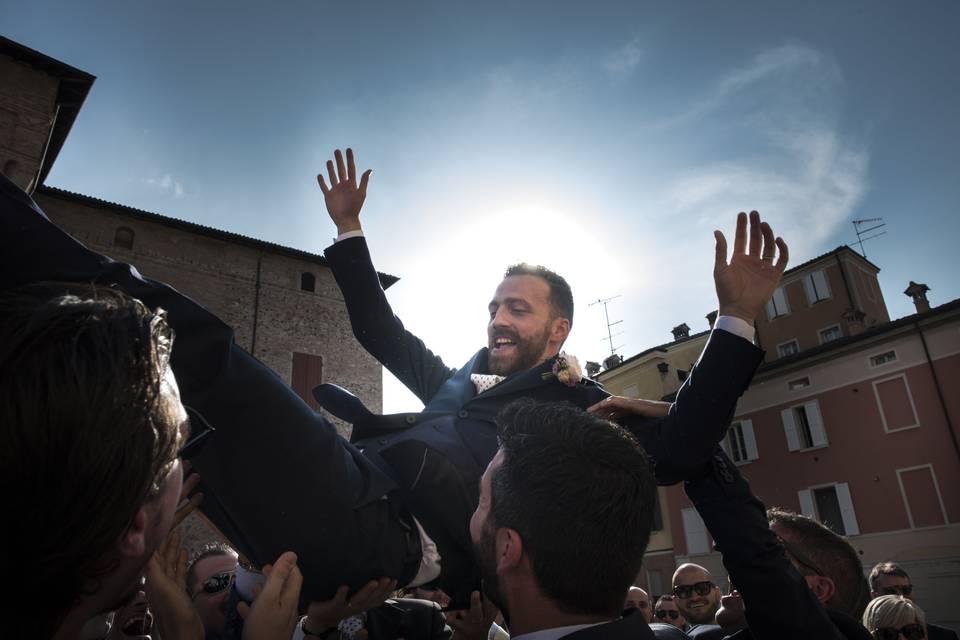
(343, 197)
(747, 282)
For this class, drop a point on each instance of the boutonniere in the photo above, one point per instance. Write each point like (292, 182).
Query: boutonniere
(566, 369)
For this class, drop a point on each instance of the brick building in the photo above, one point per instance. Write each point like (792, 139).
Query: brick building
(283, 304)
(852, 419)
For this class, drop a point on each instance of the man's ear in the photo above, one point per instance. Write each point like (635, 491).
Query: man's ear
(822, 587)
(559, 330)
(509, 549)
(133, 541)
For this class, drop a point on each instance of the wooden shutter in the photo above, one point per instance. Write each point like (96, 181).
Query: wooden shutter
(817, 431)
(790, 428)
(849, 516)
(749, 439)
(806, 503)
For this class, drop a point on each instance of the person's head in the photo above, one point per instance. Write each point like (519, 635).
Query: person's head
(209, 578)
(92, 424)
(697, 595)
(827, 562)
(530, 317)
(559, 465)
(638, 599)
(432, 592)
(889, 578)
(895, 618)
(667, 611)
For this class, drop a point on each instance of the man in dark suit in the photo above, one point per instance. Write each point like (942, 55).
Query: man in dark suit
(436, 457)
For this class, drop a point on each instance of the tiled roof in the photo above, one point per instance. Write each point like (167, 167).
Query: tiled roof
(386, 280)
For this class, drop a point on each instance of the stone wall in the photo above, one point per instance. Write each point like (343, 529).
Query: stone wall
(28, 99)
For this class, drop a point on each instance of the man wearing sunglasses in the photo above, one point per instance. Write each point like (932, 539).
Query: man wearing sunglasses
(698, 597)
(666, 611)
(889, 578)
(209, 578)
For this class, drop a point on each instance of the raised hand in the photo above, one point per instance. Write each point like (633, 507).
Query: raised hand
(747, 282)
(343, 197)
(166, 589)
(474, 623)
(615, 408)
(273, 613)
(328, 613)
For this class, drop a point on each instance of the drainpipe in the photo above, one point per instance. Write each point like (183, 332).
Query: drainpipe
(936, 383)
(256, 307)
(846, 283)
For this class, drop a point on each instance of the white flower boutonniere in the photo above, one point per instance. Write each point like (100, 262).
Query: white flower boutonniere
(566, 369)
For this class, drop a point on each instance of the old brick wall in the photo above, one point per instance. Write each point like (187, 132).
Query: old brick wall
(222, 275)
(27, 105)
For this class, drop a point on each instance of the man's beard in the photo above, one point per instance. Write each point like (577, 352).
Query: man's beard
(529, 353)
(485, 553)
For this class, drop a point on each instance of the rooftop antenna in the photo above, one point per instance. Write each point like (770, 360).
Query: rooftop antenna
(610, 333)
(857, 224)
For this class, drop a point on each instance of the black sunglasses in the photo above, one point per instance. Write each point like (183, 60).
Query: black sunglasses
(197, 437)
(216, 583)
(663, 613)
(898, 590)
(686, 590)
(800, 557)
(910, 632)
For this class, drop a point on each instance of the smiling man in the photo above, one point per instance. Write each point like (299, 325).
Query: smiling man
(437, 457)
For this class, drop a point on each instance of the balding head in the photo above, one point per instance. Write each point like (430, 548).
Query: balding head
(697, 596)
(637, 598)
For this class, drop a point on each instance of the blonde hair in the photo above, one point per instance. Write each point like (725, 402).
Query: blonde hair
(893, 612)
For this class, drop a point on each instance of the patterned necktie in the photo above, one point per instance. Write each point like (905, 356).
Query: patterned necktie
(484, 381)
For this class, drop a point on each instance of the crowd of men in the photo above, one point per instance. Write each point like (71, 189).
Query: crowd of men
(519, 504)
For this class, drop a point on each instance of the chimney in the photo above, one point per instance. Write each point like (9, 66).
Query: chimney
(680, 331)
(855, 321)
(712, 318)
(919, 294)
(593, 368)
(611, 361)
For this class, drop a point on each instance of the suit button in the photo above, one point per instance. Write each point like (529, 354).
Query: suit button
(411, 419)
(462, 413)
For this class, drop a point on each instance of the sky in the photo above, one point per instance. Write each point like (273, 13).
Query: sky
(606, 140)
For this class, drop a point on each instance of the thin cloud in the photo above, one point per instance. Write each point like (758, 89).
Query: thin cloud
(167, 184)
(626, 58)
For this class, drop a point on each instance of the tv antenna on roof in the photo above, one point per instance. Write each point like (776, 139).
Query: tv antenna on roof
(857, 224)
(610, 333)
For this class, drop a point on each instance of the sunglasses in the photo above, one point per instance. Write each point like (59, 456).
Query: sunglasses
(799, 556)
(686, 590)
(910, 632)
(663, 613)
(216, 583)
(198, 436)
(898, 590)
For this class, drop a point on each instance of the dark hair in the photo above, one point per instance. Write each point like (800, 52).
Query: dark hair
(886, 569)
(561, 297)
(665, 598)
(209, 550)
(86, 439)
(580, 492)
(832, 554)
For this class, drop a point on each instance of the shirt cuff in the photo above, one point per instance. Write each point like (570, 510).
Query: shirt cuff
(736, 326)
(356, 233)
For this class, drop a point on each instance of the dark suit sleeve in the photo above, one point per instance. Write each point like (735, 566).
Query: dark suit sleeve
(376, 327)
(777, 600)
(681, 443)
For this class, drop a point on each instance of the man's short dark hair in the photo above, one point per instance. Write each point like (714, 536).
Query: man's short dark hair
(86, 439)
(885, 569)
(561, 297)
(580, 492)
(831, 554)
